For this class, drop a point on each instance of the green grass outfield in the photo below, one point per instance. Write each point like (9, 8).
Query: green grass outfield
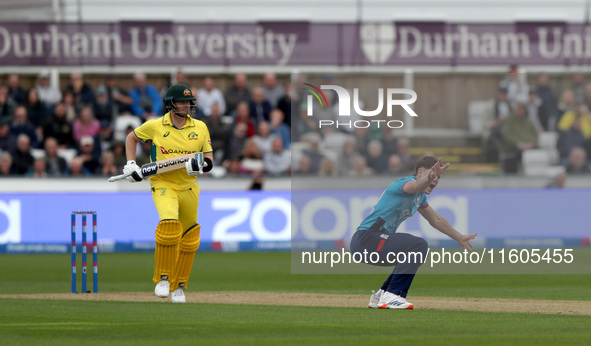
(100, 322)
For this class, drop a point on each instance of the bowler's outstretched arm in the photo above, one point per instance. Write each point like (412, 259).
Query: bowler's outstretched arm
(441, 224)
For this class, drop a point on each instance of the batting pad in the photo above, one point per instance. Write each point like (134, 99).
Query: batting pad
(189, 244)
(168, 236)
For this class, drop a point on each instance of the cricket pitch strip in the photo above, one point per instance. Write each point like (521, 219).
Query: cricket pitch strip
(534, 306)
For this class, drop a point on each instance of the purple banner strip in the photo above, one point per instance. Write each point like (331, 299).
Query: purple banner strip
(290, 44)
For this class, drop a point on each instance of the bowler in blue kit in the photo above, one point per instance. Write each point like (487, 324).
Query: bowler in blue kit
(377, 232)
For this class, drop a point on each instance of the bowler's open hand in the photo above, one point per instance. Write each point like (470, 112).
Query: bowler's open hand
(436, 170)
(464, 241)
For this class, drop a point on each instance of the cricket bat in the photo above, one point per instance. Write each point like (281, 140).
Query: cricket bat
(162, 166)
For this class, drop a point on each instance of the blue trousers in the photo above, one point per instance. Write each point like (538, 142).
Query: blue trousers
(388, 247)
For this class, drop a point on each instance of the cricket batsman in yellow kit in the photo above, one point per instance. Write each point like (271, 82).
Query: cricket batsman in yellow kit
(175, 193)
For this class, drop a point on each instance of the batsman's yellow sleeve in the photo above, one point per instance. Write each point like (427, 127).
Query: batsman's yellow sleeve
(145, 132)
(207, 148)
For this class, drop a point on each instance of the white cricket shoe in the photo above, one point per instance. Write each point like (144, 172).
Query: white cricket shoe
(178, 296)
(390, 300)
(162, 289)
(375, 299)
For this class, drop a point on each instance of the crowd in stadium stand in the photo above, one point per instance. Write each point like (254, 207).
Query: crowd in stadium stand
(522, 113)
(79, 130)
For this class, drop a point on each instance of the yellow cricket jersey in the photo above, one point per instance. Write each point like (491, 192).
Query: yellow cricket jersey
(168, 141)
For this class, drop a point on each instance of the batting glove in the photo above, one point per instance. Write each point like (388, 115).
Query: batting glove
(133, 172)
(194, 167)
